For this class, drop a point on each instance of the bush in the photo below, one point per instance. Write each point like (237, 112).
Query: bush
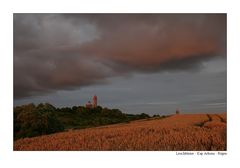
(32, 121)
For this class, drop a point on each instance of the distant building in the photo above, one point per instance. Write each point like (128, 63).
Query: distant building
(89, 104)
(94, 104)
(94, 101)
(177, 111)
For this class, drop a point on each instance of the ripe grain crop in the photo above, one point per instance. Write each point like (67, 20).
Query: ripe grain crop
(187, 132)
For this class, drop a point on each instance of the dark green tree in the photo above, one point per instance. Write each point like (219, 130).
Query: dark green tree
(32, 121)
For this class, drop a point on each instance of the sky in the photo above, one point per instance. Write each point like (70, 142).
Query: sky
(139, 63)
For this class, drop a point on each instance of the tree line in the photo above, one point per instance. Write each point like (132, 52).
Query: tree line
(34, 120)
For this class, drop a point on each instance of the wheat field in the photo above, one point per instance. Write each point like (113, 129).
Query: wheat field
(183, 132)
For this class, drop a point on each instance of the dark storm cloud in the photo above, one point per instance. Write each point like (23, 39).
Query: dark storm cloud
(60, 52)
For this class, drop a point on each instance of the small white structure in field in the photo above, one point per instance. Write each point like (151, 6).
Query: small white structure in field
(177, 111)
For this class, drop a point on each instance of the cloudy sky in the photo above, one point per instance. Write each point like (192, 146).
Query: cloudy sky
(151, 63)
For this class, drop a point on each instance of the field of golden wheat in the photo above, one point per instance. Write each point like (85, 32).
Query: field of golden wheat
(187, 132)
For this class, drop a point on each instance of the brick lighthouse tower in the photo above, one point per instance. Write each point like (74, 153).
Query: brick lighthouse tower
(94, 101)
